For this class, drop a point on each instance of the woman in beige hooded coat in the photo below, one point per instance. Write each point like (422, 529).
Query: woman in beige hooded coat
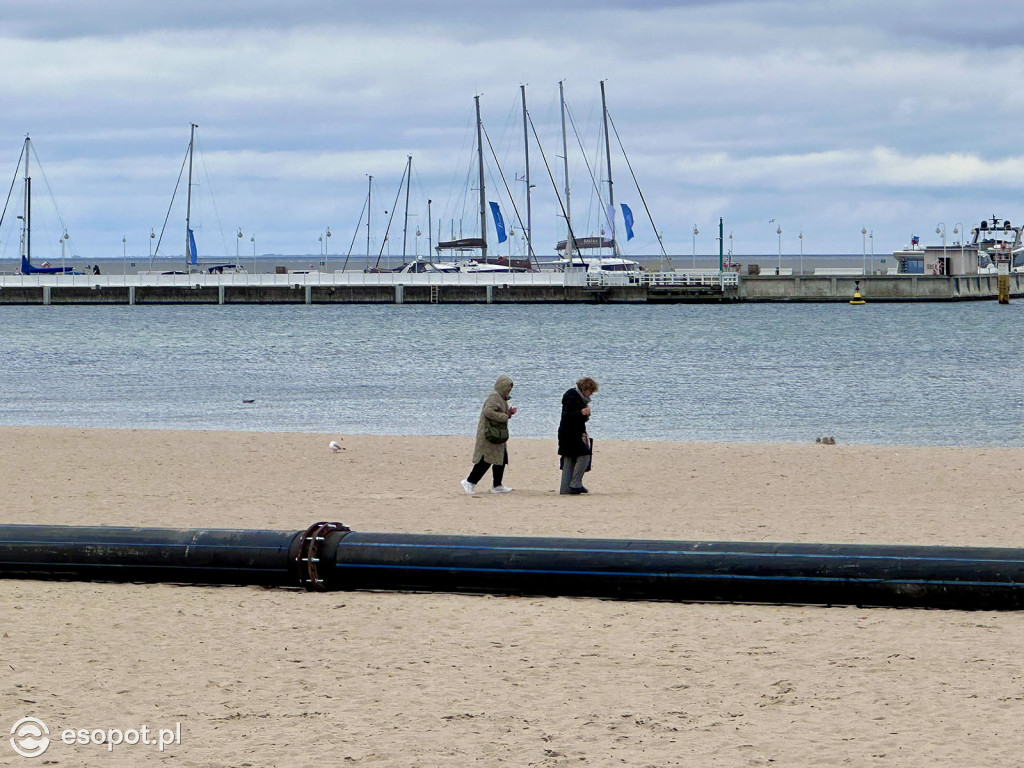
(485, 453)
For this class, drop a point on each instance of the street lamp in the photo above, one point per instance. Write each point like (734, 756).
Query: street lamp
(801, 236)
(430, 235)
(124, 253)
(253, 239)
(941, 230)
(695, 233)
(321, 239)
(63, 240)
(730, 249)
(152, 235)
(871, 236)
(327, 248)
(863, 250)
(237, 241)
(958, 229)
(778, 269)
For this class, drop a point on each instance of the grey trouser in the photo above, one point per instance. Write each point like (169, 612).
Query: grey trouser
(573, 468)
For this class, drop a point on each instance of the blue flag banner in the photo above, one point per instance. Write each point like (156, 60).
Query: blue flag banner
(627, 217)
(192, 253)
(499, 223)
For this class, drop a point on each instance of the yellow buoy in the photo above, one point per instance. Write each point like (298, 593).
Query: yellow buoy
(857, 299)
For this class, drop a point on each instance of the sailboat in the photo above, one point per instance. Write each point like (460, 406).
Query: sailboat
(27, 267)
(192, 263)
(572, 247)
(481, 263)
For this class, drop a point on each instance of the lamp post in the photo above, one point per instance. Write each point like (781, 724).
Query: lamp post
(730, 249)
(958, 229)
(238, 240)
(695, 233)
(124, 254)
(253, 239)
(778, 231)
(63, 240)
(941, 230)
(801, 236)
(321, 240)
(871, 237)
(152, 235)
(327, 247)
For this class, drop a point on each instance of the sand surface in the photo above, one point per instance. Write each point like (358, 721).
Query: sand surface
(274, 677)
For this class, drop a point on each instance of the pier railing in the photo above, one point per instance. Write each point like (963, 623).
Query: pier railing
(682, 278)
(330, 279)
(327, 279)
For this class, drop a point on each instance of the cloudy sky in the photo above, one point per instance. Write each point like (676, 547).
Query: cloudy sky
(826, 117)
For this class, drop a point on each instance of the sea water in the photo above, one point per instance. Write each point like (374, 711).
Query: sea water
(909, 373)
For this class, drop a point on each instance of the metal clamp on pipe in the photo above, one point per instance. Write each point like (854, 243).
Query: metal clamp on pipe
(308, 556)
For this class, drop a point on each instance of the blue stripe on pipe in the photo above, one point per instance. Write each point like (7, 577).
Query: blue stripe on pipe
(687, 552)
(192, 567)
(277, 548)
(663, 575)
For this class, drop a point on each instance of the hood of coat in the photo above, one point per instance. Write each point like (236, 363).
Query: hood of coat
(503, 386)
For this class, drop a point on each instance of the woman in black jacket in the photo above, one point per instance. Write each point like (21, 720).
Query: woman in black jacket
(573, 441)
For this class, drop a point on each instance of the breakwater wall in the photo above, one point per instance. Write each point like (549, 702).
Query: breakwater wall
(496, 289)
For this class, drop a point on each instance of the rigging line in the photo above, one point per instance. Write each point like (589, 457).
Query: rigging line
(637, 183)
(213, 200)
(593, 179)
(356, 232)
(49, 191)
(13, 182)
(391, 218)
(554, 184)
(511, 200)
(454, 200)
(170, 206)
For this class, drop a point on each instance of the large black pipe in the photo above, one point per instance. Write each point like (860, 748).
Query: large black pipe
(329, 556)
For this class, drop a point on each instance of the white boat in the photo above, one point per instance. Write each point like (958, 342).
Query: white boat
(998, 242)
(420, 266)
(592, 264)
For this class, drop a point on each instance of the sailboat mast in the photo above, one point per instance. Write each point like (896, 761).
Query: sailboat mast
(188, 198)
(526, 149)
(405, 227)
(483, 196)
(28, 204)
(369, 193)
(570, 246)
(608, 160)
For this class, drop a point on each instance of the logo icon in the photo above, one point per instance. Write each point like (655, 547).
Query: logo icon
(30, 737)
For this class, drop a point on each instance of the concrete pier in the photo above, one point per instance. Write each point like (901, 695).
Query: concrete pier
(525, 288)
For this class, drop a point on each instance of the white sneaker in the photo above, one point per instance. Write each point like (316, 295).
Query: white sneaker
(500, 489)
(468, 487)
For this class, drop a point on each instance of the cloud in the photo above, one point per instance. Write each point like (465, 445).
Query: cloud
(824, 113)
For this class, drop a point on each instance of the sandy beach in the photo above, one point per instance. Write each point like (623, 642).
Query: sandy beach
(278, 677)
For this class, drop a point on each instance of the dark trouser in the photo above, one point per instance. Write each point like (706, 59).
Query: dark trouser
(573, 468)
(480, 468)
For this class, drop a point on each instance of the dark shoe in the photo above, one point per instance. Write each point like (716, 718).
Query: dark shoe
(576, 491)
